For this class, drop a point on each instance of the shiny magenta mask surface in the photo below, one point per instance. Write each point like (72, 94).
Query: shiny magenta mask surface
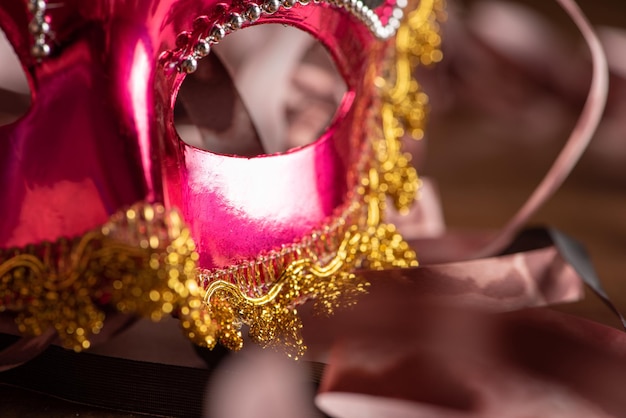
(100, 133)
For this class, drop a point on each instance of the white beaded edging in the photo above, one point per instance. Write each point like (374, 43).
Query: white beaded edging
(39, 28)
(234, 21)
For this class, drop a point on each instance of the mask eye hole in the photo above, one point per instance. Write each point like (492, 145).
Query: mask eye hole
(14, 90)
(273, 88)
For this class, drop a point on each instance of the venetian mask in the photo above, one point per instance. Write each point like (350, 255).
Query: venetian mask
(105, 207)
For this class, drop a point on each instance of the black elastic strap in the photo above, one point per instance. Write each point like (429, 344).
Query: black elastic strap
(572, 251)
(114, 383)
(577, 256)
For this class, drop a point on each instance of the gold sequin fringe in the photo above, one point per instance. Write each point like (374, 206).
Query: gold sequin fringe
(142, 262)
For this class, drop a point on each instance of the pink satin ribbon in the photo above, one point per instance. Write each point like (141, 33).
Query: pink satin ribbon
(403, 356)
(576, 144)
(24, 349)
(461, 363)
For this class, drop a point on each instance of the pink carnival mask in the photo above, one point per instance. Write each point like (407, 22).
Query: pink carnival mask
(103, 203)
(107, 210)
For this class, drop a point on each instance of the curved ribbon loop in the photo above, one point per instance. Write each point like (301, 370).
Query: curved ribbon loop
(577, 142)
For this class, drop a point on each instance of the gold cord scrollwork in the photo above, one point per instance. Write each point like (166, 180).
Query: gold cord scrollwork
(273, 318)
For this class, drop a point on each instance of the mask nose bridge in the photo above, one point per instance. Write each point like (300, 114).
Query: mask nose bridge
(133, 88)
(141, 91)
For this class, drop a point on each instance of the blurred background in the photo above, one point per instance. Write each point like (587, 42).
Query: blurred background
(504, 101)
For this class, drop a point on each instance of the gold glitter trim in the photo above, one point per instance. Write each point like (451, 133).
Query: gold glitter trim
(405, 105)
(273, 318)
(142, 262)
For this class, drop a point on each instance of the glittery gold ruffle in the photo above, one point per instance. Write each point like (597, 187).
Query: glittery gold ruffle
(141, 262)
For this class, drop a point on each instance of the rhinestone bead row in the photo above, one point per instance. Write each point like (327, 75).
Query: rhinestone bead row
(233, 21)
(39, 28)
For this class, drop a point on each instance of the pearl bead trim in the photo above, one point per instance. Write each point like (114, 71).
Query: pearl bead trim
(187, 54)
(39, 28)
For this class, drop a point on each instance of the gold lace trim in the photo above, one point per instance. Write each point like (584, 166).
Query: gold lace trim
(142, 262)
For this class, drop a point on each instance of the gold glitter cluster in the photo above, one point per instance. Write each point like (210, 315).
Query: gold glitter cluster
(142, 262)
(273, 318)
(404, 107)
